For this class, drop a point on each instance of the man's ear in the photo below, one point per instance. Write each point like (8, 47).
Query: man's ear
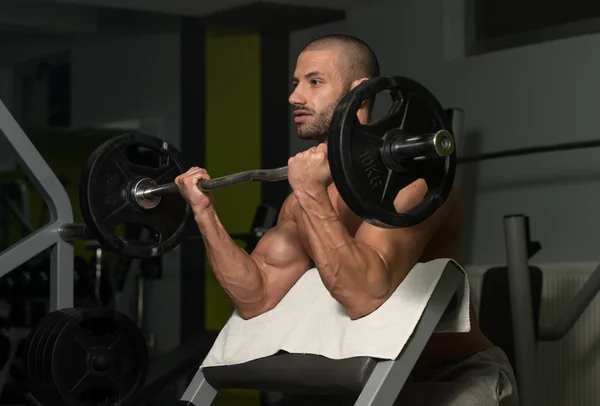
(357, 82)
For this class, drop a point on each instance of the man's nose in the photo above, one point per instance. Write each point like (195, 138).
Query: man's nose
(296, 98)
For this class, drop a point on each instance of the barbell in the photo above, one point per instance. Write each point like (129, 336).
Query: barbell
(370, 164)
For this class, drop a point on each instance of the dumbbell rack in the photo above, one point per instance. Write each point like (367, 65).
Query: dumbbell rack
(55, 234)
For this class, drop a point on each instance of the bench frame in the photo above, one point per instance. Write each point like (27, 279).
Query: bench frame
(388, 377)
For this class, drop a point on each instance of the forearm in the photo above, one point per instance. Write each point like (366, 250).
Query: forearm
(238, 274)
(354, 273)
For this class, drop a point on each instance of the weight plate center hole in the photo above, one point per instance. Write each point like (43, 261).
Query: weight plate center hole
(138, 234)
(142, 156)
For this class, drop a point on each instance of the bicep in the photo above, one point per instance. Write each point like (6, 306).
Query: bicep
(282, 260)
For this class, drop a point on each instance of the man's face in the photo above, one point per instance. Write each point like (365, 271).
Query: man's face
(318, 87)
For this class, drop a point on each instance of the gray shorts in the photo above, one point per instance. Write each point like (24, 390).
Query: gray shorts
(483, 379)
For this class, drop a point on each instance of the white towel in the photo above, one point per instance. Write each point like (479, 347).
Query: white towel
(308, 320)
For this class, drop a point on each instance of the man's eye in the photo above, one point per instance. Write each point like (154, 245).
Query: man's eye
(314, 81)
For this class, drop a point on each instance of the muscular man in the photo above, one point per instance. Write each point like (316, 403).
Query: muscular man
(360, 264)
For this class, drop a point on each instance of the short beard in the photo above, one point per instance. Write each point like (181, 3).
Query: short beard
(318, 130)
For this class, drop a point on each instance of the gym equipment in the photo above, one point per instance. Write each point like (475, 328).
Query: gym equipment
(88, 356)
(526, 331)
(530, 151)
(8, 190)
(373, 382)
(369, 164)
(61, 276)
(107, 201)
(177, 363)
(47, 237)
(32, 280)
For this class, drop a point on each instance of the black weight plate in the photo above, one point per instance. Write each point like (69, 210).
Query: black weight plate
(54, 319)
(89, 335)
(29, 350)
(44, 389)
(364, 178)
(34, 363)
(50, 393)
(106, 201)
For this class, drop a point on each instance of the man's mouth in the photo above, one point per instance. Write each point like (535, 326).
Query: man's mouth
(299, 116)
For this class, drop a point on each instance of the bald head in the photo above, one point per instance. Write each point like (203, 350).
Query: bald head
(326, 70)
(355, 60)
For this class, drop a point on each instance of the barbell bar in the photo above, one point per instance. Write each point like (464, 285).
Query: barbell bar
(567, 146)
(441, 144)
(147, 195)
